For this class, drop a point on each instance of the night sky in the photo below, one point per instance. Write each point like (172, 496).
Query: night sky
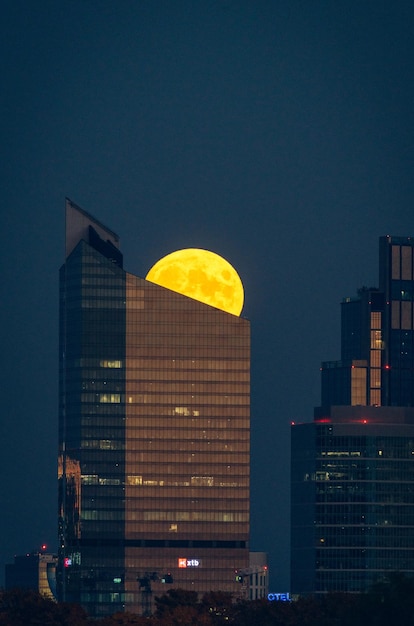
(276, 133)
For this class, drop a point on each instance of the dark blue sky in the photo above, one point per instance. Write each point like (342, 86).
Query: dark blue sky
(277, 133)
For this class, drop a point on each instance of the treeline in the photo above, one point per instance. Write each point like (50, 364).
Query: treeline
(388, 603)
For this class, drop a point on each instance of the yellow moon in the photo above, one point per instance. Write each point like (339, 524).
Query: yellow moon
(201, 275)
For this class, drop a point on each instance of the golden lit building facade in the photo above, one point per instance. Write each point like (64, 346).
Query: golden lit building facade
(154, 433)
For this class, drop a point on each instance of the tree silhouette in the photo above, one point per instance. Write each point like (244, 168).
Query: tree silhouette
(26, 607)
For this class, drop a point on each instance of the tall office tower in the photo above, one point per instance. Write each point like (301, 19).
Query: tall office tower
(153, 433)
(353, 466)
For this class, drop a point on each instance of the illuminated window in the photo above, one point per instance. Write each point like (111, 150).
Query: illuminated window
(376, 339)
(322, 476)
(134, 480)
(111, 364)
(181, 410)
(375, 358)
(202, 481)
(375, 397)
(89, 479)
(111, 398)
(109, 481)
(375, 378)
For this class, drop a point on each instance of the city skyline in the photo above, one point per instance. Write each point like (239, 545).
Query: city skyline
(278, 134)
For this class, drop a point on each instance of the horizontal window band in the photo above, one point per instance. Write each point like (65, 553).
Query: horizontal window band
(160, 543)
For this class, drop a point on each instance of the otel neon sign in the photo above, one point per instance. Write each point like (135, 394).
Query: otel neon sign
(280, 597)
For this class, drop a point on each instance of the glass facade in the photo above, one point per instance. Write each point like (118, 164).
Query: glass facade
(377, 336)
(353, 468)
(397, 282)
(357, 378)
(154, 434)
(352, 505)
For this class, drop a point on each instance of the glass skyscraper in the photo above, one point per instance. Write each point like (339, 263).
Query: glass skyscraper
(353, 466)
(154, 433)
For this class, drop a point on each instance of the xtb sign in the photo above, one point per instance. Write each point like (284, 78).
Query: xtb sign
(184, 562)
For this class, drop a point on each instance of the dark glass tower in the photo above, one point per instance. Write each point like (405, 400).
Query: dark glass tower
(377, 339)
(153, 433)
(353, 467)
